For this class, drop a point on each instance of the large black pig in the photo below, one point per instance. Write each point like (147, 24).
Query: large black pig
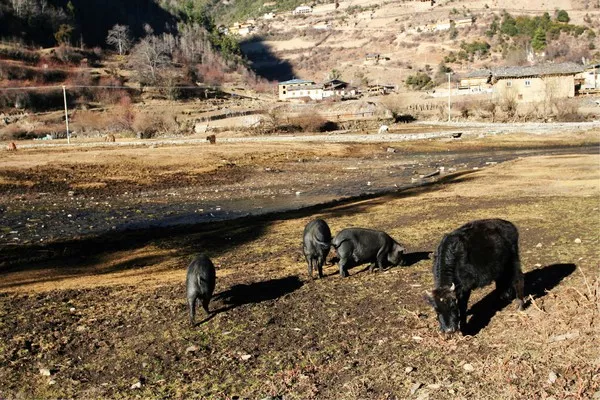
(356, 246)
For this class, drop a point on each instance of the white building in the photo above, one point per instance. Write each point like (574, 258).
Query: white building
(300, 88)
(589, 78)
(303, 89)
(303, 10)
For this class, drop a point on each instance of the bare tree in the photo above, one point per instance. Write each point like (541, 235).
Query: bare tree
(509, 103)
(193, 43)
(119, 37)
(24, 8)
(490, 107)
(551, 94)
(149, 57)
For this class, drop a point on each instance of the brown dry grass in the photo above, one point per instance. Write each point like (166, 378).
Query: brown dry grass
(343, 339)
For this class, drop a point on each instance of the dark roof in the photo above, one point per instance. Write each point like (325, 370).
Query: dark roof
(307, 87)
(479, 73)
(296, 82)
(537, 70)
(335, 83)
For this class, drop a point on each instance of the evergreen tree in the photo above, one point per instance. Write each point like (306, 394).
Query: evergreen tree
(538, 42)
(562, 16)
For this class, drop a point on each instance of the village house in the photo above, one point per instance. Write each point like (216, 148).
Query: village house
(372, 58)
(242, 29)
(300, 88)
(462, 22)
(476, 81)
(588, 80)
(322, 26)
(337, 88)
(380, 89)
(535, 83)
(456, 22)
(302, 10)
(297, 89)
(443, 26)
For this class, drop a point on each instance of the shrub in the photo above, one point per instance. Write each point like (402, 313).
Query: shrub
(569, 112)
(67, 55)
(26, 56)
(489, 108)
(105, 94)
(562, 16)
(464, 109)
(125, 115)
(63, 35)
(419, 81)
(146, 125)
(309, 122)
(476, 48)
(89, 121)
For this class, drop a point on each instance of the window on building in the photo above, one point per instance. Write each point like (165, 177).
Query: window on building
(527, 83)
(284, 92)
(508, 83)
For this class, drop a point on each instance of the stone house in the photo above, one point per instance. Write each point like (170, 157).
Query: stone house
(535, 83)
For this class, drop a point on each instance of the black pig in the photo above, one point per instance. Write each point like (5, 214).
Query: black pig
(356, 246)
(316, 245)
(200, 283)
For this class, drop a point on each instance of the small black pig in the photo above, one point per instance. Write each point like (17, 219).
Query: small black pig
(317, 242)
(200, 283)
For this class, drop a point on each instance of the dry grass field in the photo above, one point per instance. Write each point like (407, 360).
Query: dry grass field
(113, 324)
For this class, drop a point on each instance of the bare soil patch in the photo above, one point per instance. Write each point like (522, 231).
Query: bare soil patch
(104, 323)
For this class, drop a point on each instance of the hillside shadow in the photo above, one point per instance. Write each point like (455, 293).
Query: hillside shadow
(96, 17)
(264, 62)
(537, 283)
(257, 292)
